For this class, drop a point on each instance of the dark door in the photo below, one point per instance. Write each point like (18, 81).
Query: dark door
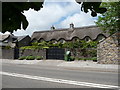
(55, 53)
(16, 53)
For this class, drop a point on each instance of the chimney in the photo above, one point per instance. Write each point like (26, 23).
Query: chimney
(71, 26)
(52, 28)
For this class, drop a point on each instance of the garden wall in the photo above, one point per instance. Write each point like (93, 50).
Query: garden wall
(80, 53)
(76, 52)
(108, 50)
(37, 52)
(7, 54)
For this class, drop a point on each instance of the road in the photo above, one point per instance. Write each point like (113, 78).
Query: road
(37, 76)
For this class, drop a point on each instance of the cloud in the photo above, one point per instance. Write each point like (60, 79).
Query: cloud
(79, 20)
(59, 1)
(59, 14)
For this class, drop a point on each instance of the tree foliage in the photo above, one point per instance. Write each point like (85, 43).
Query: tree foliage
(110, 20)
(94, 7)
(13, 17)
(12, 14)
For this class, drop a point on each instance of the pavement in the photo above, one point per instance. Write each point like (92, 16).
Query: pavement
(88, 65)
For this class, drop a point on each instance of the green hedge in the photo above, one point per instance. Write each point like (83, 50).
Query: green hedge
(22, 58)
(67, 58)
(91, 58)
(77, 44)
(31, 57)
(39, 57)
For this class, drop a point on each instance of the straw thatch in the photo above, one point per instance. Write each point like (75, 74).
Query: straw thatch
(68, 34)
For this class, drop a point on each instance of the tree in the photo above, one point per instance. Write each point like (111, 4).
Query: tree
(13, 17)
(12, 14)
(94, 7)
(110, 20)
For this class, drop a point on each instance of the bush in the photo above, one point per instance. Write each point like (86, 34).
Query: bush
(39, 57)
(72, 58)
(69, 58)
(80, 58)
(22, 58)
(94, 59)
(30, 57)
(91, 58)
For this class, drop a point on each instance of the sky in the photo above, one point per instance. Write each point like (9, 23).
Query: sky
(59, 14)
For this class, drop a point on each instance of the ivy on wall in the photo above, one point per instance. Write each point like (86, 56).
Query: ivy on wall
(76, 44)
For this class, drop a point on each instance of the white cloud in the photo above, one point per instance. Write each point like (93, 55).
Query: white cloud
(4, 33)
(79, 20)
(59, 14)
(60, 0)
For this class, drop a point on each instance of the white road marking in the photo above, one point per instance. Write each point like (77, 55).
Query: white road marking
(59, 80)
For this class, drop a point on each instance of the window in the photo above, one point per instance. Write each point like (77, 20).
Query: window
(75, 39)
(41, 40)
(100, 38)
(87, 39)
(62, 40)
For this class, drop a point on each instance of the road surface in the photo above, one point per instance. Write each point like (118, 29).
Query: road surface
(38, 76)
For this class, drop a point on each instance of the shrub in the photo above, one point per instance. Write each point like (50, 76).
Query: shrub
(45, 47)
(39, 57)
(92, 52)
(7, 47)
(30, 57)
(80, 58)
(72, 58)
(76, 58)
(22, 58)
(31, 47)
(91, 58)
(69, 58)
(94, 59)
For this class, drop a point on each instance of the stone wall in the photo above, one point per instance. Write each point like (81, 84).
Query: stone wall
(24, 42)
(37, 52)
(7, 54)
(107, 50)
(78, 52)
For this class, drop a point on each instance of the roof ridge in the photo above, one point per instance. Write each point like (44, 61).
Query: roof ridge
(62, 29)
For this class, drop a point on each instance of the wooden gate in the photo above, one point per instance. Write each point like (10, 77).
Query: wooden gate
(55, 53)
(16, 53)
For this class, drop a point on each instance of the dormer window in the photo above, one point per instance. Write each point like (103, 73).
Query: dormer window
(75, 39)
(100, 38)
(87, 39)
(62, 40)
(41, 40)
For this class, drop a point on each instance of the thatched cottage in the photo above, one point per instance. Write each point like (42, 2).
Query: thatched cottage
(69, 34)
(107, 49)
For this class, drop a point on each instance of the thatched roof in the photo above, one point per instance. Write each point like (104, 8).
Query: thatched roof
(19, 38)
(68, 34)
(3, 37)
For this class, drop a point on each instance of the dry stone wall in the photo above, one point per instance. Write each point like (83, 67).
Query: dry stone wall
(7, 54)
(78, 52)
(37, 52)
(108, 50)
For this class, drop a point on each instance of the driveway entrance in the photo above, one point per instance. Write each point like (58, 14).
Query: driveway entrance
(55, 53)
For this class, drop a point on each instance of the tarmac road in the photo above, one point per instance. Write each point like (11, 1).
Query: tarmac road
(47, 77)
